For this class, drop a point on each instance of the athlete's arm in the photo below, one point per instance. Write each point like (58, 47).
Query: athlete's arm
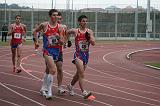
(92, 40)
(10, 30)
(24, 32)
(39, 28)
(69, 32)
(64, 33)
(61, 35)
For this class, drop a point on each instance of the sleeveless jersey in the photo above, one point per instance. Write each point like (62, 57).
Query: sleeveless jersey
(17, 34)
(49, 38)
(81, 42)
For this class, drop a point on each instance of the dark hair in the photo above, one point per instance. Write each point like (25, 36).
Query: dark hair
(17, 16)
(59, 14)
(52, 11)
(81, 17)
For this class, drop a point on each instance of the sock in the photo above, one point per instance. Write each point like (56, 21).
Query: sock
(49, 82)
(44, 85)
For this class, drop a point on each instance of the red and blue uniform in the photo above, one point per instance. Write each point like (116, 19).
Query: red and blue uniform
(16, 36)
(51, 47)
(82, 47)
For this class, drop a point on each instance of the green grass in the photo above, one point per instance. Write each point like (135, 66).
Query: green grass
(154, 64)
(4, 43)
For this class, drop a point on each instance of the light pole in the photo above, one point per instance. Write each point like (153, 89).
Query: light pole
(148, 21)
(136, 22)
(5, 11)
(52, 4)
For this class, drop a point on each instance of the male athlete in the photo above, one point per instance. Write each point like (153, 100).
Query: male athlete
(17, 31)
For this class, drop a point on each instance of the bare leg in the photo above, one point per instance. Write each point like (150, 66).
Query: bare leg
(59, 73)
(52, 70)
(80, 71)
(19, 53)
(75, 79)
(13, 57)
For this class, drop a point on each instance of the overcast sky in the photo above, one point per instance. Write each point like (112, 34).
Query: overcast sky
(77, 4)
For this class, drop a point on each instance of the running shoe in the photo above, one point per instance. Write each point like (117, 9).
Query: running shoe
(49, 95)
(14, 69)
(18, 70)
(70, 88)
(88, 95)
(61, 91)
(43, 93)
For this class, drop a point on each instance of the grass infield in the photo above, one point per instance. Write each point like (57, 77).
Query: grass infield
(157, 64)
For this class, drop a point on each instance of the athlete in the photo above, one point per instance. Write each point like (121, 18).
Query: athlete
(59, 62)
(52, 41)
(83, 38)
(17, 31)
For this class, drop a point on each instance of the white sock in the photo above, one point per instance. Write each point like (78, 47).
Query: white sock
(44, 85)
(49, 82)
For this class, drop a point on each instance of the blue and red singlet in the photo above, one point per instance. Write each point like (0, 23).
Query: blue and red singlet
(51, 47)
(82, 47)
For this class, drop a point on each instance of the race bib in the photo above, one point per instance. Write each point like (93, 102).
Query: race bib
(17, 35)
(83, 45)
(52, 40)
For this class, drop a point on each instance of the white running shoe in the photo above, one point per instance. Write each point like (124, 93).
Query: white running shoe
(86, 94)
(61, 91)
(49, 95)
(43, 93)
(70, 88)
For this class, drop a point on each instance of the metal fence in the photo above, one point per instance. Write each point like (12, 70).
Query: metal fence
(107, 25)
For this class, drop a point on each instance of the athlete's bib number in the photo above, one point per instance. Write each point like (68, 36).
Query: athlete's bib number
(52, 40)
(83, 45)
(17, 35)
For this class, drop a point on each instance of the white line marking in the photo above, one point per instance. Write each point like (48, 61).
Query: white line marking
(21, 95)
(11, 103)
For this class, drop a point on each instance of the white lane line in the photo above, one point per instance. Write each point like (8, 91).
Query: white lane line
(21, 95)
(94, 83)
(128, 56)
(53, 85)
(90, 82)
(104, 94)
(24, 58)
(11, 103)
(119, 78)
(153, 67)
(29, 90)
(126, 68)
(130, 89)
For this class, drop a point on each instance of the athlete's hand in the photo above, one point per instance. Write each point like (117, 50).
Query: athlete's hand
(87, 36)
(69, 43)
(64, 45)
(24, 40)
(36, 45)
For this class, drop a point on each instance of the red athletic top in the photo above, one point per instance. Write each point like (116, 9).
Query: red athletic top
(17, 34)
(81, 42)
(49, 37)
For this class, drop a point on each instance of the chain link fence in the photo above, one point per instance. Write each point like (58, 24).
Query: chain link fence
(110, 24)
